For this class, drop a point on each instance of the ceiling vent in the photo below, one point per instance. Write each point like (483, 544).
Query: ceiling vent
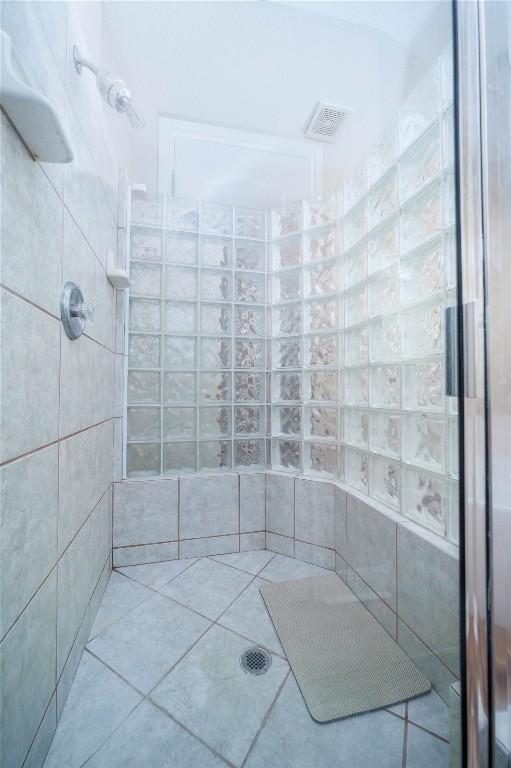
(326, 122)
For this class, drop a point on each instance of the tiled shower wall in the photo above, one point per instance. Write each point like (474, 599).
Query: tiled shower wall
(360, 281)
(57, 224)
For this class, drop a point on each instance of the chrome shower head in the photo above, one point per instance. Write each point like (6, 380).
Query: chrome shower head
(112, 88)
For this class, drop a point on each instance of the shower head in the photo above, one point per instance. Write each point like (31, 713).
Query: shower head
(112, 88)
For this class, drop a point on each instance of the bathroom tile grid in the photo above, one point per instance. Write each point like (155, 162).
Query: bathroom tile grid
(160, 682)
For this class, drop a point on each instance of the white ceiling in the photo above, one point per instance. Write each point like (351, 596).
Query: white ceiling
(261, 66)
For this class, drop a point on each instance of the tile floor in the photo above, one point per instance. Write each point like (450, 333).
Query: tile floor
(160, 684)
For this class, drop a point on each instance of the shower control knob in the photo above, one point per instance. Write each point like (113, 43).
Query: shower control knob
(74, 310)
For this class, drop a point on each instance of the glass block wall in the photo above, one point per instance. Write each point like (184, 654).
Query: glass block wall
(196, 387)
(319, 325)
(360, 281)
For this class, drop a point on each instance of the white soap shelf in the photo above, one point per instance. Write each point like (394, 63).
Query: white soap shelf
(31, 113)
(118, 277)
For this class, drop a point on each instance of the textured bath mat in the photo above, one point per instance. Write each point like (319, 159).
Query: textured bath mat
(343, 660)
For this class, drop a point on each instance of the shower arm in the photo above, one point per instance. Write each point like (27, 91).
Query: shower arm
(81, 62)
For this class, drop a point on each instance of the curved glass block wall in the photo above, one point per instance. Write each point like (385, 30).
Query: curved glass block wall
(360, 281)
(196, 386)
(319, 325)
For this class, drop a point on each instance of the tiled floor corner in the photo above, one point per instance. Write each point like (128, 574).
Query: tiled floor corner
(160, 683)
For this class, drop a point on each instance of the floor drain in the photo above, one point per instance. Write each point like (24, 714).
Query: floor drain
(255, 660)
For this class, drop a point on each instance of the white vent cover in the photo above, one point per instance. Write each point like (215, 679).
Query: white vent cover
(326, 122)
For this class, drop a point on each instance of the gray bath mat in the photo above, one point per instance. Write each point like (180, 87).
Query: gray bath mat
(343, 660)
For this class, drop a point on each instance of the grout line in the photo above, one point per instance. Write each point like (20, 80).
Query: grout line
(265, 718)
(117, 727)
(405, 742)
(427, 730)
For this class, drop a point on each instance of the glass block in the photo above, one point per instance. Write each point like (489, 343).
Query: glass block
(355, 305)
(425, 499)
(145, 315)
(382, 154)
(382, 199)
(249, 453)
(355, 186)
(320, 280)
(355, 265)
(320, 422)
(143, 423)
(287, 386)
(422, 274)
(248, 387)
(321, 245)
(215, 386)
(288, 353)
(385, 386)
(216, 318)
(182, 248)
(288, 319)
(385, 434)
(248, 353)
(216, 252)
(250, 255)
(216, 218)
(321, 351)
(421, 218)
(320, 459)
(425, 442)
(216, 285)
(178, 387)
(147, 212)
(385, 482)
(145, 279)
(182, 213)
(216, 454)
(179, 457)
(179, 352)
(215, 421)
(384, 291)
(420, 164)
(356, 428)
(180, 317)
(422, 329)
(287, 220)
(288, 286)
(453, 448)
(286, 454)
(143, 459)
(179, 422)
(384, 339)
(249, 321)
(250, 222)
(248, 420)
(419, 110)
(320, 315)
(448, 197)
(356, 388)
(216, 353)
(356, 469)
(145, 245)
(355, 225)
(287, 420)
(143, 387)
(321, 209)
(446, 64)
(356, 345)
(144, 351)
(249, 288)
(447, 130)
(287, 252)
(382, 246)
(181, 282)
(321, 386)
(423, 386)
